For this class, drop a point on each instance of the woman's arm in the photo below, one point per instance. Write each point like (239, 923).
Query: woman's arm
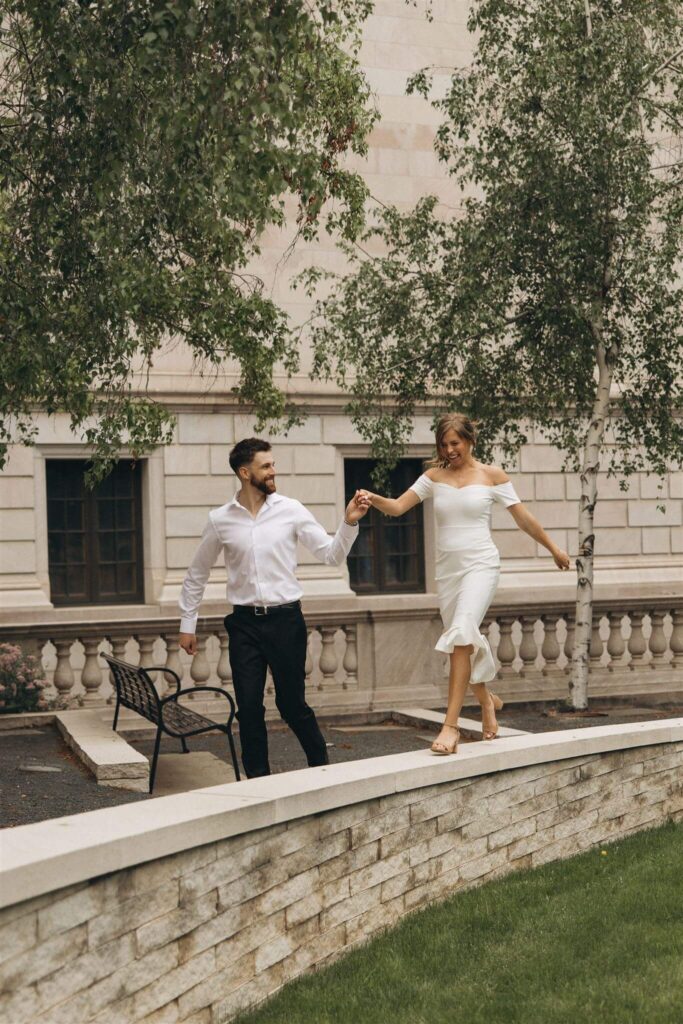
(529, 524)
(392, 506)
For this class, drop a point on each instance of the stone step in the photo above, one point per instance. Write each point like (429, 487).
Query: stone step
(109, 757)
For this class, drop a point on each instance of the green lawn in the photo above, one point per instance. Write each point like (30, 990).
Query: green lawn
(597, 939)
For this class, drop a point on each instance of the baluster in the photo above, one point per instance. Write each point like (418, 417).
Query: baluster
(223, 669)
(569, 643)
(328, 655)
(41, 655)
(658, 643)
(64, 675)
(506, 648)
(309, 654)
(174, 662)
(676, 641)
(91, 676)
(637, 645)
(528, 648)
(200, 669)
(350, 662)
(146, 644)
(550, 648)
(615, 641)
(595, 648)
(118, 651)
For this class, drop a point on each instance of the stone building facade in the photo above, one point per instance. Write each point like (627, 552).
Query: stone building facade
(639, 540)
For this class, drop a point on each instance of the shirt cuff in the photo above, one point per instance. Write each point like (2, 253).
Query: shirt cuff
(346, 530)
(188, 623)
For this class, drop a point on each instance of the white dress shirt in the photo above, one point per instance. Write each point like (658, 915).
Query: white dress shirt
(259, 553)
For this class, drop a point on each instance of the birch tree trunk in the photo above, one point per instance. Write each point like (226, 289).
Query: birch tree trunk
(578, 685)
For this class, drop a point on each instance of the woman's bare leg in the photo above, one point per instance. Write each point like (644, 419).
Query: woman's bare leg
(488, 711)
(458, 681)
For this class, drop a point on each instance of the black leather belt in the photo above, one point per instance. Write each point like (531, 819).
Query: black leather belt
(265, 609)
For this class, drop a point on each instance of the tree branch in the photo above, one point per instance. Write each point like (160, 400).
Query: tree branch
(589, 19)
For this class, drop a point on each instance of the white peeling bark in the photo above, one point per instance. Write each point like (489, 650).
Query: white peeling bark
(578, 685)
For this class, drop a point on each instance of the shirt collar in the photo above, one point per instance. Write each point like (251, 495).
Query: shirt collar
(271, 499)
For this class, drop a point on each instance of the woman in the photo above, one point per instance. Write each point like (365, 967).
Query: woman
(467, 563)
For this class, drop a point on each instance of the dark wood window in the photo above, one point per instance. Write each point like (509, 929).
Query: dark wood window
(388, 556)
(94, 536)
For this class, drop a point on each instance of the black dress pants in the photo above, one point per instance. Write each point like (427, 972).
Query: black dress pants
(276, 641)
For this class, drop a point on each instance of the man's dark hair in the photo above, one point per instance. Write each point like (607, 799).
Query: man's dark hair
(244, 451)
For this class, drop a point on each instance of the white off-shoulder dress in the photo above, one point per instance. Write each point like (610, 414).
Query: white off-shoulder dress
(467, 563)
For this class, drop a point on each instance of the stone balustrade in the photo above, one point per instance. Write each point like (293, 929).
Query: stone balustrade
(78, 676)
(365, 660)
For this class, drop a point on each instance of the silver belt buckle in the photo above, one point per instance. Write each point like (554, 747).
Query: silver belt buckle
(263, 610)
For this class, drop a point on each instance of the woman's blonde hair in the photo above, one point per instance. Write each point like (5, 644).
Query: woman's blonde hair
(464, 428)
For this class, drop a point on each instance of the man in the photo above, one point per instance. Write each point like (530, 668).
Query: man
(258, 532)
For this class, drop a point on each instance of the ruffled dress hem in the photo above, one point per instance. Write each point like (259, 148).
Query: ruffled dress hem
(461, 633)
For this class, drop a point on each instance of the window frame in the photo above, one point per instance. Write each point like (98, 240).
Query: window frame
(379, 524)
(91, 533)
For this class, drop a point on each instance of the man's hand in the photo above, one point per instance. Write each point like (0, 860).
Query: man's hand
(188, 642)
(356, 508)
(561, 558)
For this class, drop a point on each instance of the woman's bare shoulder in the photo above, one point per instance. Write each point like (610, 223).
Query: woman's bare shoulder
(496, 475)
(432, 472)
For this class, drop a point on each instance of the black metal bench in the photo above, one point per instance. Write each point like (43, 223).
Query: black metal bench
(135, 690)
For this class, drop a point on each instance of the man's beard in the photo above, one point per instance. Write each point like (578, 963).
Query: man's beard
(264, 486)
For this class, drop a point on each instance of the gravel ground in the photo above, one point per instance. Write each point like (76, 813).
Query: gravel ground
(29, 795)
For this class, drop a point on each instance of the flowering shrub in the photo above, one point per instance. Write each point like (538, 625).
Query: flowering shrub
(21, 681)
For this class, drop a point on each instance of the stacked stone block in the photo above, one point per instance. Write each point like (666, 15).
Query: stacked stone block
(200, 935)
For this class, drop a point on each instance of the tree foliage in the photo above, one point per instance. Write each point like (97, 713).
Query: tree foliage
(144, 147)
(563, 136)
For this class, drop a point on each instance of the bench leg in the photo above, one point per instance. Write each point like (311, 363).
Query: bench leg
(153, 769)
(233, 754)
(185, 750)
(116, 715)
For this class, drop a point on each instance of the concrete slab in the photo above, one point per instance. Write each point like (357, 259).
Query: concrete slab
(182, 773)
(112, 761)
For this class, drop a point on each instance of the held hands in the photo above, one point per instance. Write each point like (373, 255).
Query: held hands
(365, 497)
(356, 508)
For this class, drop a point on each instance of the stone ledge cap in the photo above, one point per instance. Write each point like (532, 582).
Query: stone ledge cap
(50, 855)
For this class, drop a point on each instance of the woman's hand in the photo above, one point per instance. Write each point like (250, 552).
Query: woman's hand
(364, 497)
(356, 508)
(561, 558)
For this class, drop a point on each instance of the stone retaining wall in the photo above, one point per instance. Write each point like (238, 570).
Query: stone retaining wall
(199, 935)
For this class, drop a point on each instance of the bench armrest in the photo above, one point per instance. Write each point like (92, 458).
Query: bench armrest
(167, 671)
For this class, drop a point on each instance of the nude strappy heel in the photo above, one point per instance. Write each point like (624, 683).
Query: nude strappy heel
(498, 705)
(439, 747)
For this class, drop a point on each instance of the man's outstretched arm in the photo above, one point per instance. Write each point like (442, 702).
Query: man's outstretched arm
(194, 585)
(332, 550)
